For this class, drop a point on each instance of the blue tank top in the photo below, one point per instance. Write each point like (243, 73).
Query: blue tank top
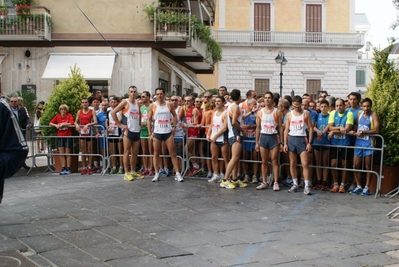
(365, 124)
(321, 124)
(338, 138)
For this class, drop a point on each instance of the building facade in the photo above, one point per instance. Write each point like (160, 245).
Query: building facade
(317, 38)
(114, 45)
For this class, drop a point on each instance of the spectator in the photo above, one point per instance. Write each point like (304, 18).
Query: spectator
(62, 122)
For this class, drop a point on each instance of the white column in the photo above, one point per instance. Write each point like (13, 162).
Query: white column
(352, 75)
(222, 73)
(222, 14)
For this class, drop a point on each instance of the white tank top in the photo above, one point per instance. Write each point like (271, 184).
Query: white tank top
(268, 122)
(113, 125)
(298, 126)
(232, 130)
(132, 113)
(162, 120)
(217, 125)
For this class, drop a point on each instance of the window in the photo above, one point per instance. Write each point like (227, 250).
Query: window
(261, 22)
(98, 86)
(262, 86)
(313, 23)
(313, 87)
(360, 78)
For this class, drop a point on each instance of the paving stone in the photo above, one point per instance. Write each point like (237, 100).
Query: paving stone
(122, 233)
(138, 261)
(190, 260)
(61, 224)
(11, 218)
(12, 244)
(14, 258)
(70, 257)
(83, 238)
(161, 249)
(21, 230)
(179, 239)
(44, 243)
(112, 250)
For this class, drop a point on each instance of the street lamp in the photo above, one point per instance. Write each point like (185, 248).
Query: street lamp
(280, 59)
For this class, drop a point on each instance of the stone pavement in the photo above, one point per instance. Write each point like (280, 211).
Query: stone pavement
(76, 220)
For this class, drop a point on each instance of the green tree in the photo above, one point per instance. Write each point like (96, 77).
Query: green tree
(69, 91)
(384, 92)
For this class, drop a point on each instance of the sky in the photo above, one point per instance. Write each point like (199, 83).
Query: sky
(381, 14)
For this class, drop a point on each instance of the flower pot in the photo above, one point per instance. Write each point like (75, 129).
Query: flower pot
(390, 180)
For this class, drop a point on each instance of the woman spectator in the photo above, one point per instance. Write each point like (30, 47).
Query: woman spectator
(62, 122)
(39, 111)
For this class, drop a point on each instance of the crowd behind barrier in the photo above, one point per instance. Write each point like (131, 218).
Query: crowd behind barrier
(251, 159)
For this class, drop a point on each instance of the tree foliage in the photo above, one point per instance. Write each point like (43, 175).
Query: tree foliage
(384, 92)
(70, 92)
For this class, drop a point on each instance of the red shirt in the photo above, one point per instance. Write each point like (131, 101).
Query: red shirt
(63, 131)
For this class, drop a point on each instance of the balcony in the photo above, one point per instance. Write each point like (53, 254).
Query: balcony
(172, 24)
(36, 24)
(269, 38)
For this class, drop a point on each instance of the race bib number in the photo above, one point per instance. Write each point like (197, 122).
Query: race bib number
(250, 133)
(144, 118)
(339, 136)
(216, 127)
(296, 125)
(268, 128)
(163, 123)
(82, 131)
(134, 115)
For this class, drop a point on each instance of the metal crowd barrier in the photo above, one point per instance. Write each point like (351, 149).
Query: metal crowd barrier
(50, 142)
(374, 160)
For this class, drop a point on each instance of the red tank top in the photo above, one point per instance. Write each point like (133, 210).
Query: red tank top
(83, 120)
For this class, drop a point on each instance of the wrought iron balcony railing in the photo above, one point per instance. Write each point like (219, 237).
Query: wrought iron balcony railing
(33, 24)
(172, 24)
(288, 38)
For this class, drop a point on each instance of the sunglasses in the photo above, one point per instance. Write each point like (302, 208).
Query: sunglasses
(187, 100)
(13, 101)
(198, 102)
(173, 100)
(207, 96)
(296, 106)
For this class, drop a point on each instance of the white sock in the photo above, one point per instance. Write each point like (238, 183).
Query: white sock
(295, 181)
(307, 183)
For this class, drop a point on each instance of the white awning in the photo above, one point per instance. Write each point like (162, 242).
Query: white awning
(191, 80)
(92, 66)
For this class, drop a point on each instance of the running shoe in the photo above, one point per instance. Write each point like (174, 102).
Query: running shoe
(84, 171)
(62, 172)
(352, 187)
(144, 172)
(254, 179)
(156, 178)
(89, 172)
(210, 175)
(224, 184)
(113, 171)
(246, 179)
(128, 177)
(341, 189)
(288, 182)
(150, 173)
(137, 175)
(262, 186)
(323, 187)
(293, 189)
(162, 172)
(238, 183)
(166, 172)
(317, 186)
(335, 188)
(67, 171)
(365, 192)
(356, 191)
(306, 190)
(215, 178)
(121, 171)
(276, 187)
(178, 177)
(202, 172)
(195, 170)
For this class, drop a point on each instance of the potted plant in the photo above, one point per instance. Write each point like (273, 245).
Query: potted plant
(70, 92)
(384, 92)
(3, 10)
(150, 10)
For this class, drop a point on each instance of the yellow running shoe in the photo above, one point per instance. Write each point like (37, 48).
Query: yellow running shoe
(238, 183)
(128, 177)
(137, 175)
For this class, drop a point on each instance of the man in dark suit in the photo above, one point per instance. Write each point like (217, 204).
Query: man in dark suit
(13, 148)
(23, 119)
